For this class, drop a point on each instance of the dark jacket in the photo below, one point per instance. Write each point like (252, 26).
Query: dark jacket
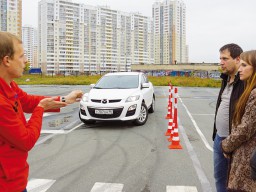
(238, 88)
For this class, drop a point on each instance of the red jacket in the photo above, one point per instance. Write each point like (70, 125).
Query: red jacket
(17, 136)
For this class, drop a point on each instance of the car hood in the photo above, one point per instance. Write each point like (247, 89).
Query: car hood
(111, 93)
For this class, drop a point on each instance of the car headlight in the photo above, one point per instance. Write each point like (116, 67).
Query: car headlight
(132, 98)
(85, 98)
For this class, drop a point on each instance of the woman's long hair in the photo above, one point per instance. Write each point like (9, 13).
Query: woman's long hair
(250, 58)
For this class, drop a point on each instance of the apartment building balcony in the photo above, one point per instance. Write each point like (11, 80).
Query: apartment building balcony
(69, 35)
(69, 19)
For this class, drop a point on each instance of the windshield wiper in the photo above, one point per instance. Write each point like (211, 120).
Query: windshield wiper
(97, 88)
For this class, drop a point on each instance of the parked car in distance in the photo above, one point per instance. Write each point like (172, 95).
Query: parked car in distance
(120, 96)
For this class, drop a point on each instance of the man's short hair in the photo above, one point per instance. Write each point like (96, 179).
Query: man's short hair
(6, 44)
(234, 49)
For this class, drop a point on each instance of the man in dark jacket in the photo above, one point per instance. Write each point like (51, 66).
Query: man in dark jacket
(231, 89)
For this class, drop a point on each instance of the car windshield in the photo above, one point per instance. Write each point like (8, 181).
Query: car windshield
(118, 82)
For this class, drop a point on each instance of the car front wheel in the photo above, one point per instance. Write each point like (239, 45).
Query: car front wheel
(141, 120)
(152, 106)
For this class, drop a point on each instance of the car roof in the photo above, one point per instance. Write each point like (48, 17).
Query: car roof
(123, 73)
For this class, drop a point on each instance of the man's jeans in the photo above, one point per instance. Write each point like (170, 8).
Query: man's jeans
(220, 165)
(25, 190)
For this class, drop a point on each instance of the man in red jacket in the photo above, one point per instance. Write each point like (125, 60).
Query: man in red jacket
(18, 136)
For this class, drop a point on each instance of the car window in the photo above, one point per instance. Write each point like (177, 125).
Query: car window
(118, 82)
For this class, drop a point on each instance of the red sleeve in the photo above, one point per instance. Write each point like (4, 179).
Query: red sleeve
(14, 131)
(30, 102)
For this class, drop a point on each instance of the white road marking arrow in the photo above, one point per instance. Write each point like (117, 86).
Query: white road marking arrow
(39, 185)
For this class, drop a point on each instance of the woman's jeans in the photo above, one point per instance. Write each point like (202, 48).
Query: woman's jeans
(25, 190)
(220, 165)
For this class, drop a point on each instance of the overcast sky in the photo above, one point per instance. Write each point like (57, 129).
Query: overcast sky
(210, 23)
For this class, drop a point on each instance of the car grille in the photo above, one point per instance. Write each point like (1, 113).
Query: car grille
(110, 101)
(114, 100)
(96, 100)
(116, 113)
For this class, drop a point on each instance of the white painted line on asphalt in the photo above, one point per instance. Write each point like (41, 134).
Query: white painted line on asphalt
(60, 131)
(197, 128)
(52, 135)
(39, 185)
(74, 128)
(206, 186)
(181, 189)
(107, 187)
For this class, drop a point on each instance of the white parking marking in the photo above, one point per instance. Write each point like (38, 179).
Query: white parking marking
(42, 185)
(39, 185)
(197, 128)
(52, 135)
(107, 187)
(61, 131)
(181, 189)
(206, 186)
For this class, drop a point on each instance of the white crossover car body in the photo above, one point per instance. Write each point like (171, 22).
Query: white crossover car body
(119, 96)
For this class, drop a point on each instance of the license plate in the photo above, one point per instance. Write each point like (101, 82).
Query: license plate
(104, 112)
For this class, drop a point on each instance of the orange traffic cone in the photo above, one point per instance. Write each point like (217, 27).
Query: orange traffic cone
(169, 113)
(175, 140)
(169, 129)
(170, 88)
(171, 135)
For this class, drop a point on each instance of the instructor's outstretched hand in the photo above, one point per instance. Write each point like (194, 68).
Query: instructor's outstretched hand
(74, 96)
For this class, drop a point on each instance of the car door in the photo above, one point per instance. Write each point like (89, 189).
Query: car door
(147, 92)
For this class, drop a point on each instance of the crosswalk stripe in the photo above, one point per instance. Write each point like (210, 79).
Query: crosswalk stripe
(42, 185)
(107, 187)
(39, 185)
(181, 189)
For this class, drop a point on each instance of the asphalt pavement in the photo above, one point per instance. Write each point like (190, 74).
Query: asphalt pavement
(120, 157)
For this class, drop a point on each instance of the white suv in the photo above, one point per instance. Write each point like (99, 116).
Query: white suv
(119, 96)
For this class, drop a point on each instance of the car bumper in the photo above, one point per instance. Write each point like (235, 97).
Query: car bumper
(118, 111)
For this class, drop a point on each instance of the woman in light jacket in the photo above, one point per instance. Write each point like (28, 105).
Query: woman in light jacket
(239, 145)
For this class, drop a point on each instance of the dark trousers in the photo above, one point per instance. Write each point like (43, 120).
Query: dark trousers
(220, 165)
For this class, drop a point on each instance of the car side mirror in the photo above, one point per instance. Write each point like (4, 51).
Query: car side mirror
(145, 85)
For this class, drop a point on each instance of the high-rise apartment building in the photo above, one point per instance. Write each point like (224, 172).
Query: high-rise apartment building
(29, 38)
(75, 37)
(11, 16)
(170, 32)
